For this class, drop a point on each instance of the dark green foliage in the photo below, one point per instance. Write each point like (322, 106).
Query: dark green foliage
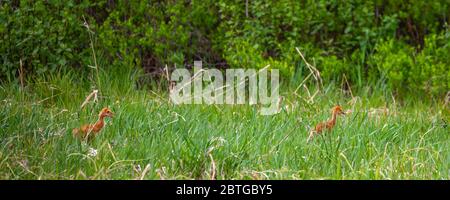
(403, 43)
(427, 70)
(343, 37)
(44, 35)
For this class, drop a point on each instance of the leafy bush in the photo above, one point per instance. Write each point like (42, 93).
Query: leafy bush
(154, 34)
(332, 68)
(44, 35)
(393, 60)
(404, 41)
(426, 71)
(431, 72)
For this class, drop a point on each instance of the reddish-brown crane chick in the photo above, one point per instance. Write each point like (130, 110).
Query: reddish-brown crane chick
(328, 125)
(89, 131)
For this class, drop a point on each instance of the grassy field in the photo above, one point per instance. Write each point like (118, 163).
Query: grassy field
(151, 139)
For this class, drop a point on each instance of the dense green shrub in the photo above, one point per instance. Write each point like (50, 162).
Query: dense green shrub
(427, 71)
(431, 71)
(145, 34)
(393, 60)
(44, 35)
(403, 42)
(47, 35)
(364, 40)
(152, 34)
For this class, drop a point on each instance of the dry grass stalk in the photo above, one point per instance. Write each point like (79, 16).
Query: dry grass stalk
(378, 111)
(21, 74)
(94, 57)
(94, 94)
(147, 167)
(348, 85)
(303, 82)
(314, 71)
(447, 99)
(279, 103)
(161, 172)
(213, 168)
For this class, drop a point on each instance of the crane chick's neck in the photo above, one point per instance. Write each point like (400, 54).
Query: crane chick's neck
(100, 122)
(333, 116)
(101, 119)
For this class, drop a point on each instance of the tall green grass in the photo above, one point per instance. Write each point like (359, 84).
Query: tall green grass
(150, 138)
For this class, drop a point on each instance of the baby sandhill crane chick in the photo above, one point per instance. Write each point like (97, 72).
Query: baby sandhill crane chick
(328, 125)
(89, 131)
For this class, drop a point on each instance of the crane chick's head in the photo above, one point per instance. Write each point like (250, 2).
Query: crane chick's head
(338, 110)
(106, 112)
